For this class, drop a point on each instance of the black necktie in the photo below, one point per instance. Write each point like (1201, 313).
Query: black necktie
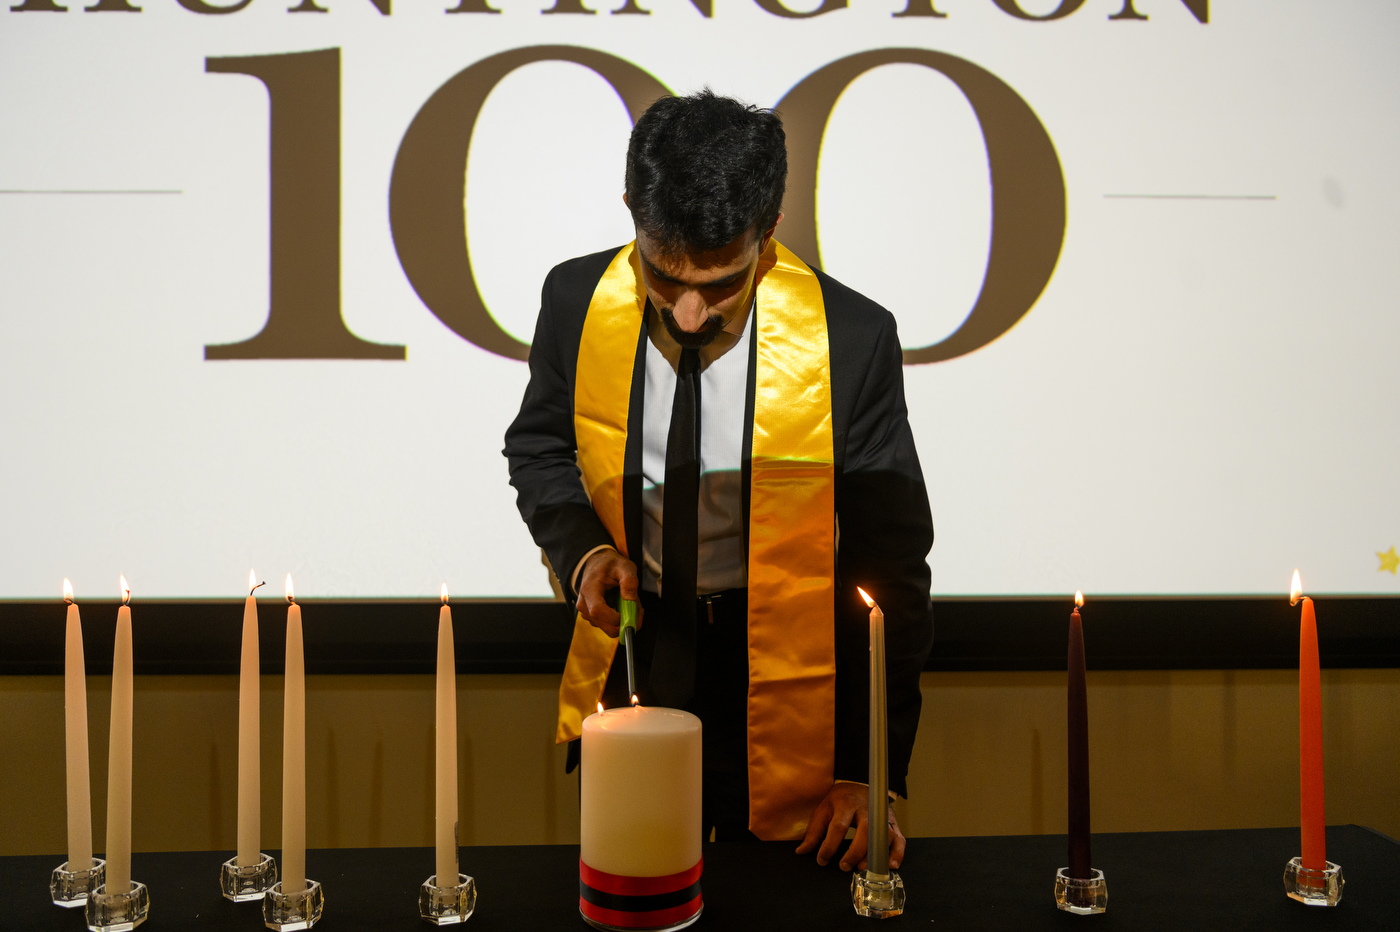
(673, 664)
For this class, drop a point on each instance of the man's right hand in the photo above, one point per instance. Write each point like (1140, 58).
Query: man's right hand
(602, 572)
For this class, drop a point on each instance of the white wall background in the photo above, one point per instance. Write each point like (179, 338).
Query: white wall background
(1204, 398)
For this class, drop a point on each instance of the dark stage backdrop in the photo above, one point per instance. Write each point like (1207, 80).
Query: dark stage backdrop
(268, 276)
(526, 636)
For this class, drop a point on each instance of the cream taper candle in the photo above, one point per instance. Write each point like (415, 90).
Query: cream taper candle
(294, 755)
(119, 755)
(446, 726)
(75, 732)
(249, 749)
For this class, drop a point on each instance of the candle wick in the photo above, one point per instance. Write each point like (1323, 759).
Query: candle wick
(257, 587)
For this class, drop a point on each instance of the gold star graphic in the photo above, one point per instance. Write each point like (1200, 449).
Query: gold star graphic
(1390, 561)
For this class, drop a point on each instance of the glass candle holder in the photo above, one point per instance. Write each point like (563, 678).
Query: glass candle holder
(70, 889)
(245, 884)
(446, 906)
(1313, 888)
(1083, 897)
(117, 912)
(288, 912)
(879, 896)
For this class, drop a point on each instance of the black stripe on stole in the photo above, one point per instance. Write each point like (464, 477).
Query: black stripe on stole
(632, 454)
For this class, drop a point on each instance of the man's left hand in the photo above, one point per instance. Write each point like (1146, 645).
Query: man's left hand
(846, 804)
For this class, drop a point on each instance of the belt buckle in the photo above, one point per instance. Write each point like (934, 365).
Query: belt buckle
(709, 601)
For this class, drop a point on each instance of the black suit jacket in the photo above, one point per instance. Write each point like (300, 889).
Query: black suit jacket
(884, 525)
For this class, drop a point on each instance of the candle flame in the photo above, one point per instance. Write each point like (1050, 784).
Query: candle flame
(1078, 599)
(635, 700)
(444, 593)
(126, 591)
(291, 597)
(67, 590)
(866, 596)
(600, 708)
(1295, 592)
(253, 584)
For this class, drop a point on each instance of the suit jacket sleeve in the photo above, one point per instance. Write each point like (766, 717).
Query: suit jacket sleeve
(541, 449)
(886, 531)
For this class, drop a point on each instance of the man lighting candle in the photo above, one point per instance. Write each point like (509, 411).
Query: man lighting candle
(703, 408)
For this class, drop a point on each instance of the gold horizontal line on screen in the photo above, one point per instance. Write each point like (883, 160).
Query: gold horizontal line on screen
(1192, 197)
(89, 191)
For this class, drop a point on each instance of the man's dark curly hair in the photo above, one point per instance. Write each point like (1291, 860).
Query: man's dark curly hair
(703, 169)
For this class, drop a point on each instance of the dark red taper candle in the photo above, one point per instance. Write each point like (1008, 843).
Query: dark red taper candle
(1078, 751)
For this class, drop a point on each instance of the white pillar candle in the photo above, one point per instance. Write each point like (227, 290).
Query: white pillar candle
(446, 749)
(640, 792)
(249, 752)
(119, 756)
(294, 756)
(75, 730)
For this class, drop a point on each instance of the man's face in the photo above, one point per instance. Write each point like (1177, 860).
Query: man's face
(698, 293)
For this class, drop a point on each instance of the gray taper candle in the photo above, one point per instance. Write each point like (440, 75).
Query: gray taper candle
(877, 854)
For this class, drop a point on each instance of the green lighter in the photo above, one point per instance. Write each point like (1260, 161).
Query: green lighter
(628, 610)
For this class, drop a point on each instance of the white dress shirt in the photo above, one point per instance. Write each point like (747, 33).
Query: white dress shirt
(723, 385)
(723, 390)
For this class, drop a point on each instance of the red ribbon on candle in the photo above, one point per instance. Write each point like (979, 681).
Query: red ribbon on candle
(639, 902)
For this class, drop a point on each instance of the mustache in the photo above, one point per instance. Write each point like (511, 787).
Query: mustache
(700, 339)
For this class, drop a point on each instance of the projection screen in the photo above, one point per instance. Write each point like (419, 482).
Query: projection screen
(268, 275)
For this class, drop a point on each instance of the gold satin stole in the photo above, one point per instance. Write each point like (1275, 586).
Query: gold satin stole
(792, 523)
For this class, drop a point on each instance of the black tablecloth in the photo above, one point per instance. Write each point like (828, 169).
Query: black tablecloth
(1163, 880)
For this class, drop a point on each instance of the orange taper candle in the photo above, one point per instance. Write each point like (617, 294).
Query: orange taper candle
(1310, 736)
